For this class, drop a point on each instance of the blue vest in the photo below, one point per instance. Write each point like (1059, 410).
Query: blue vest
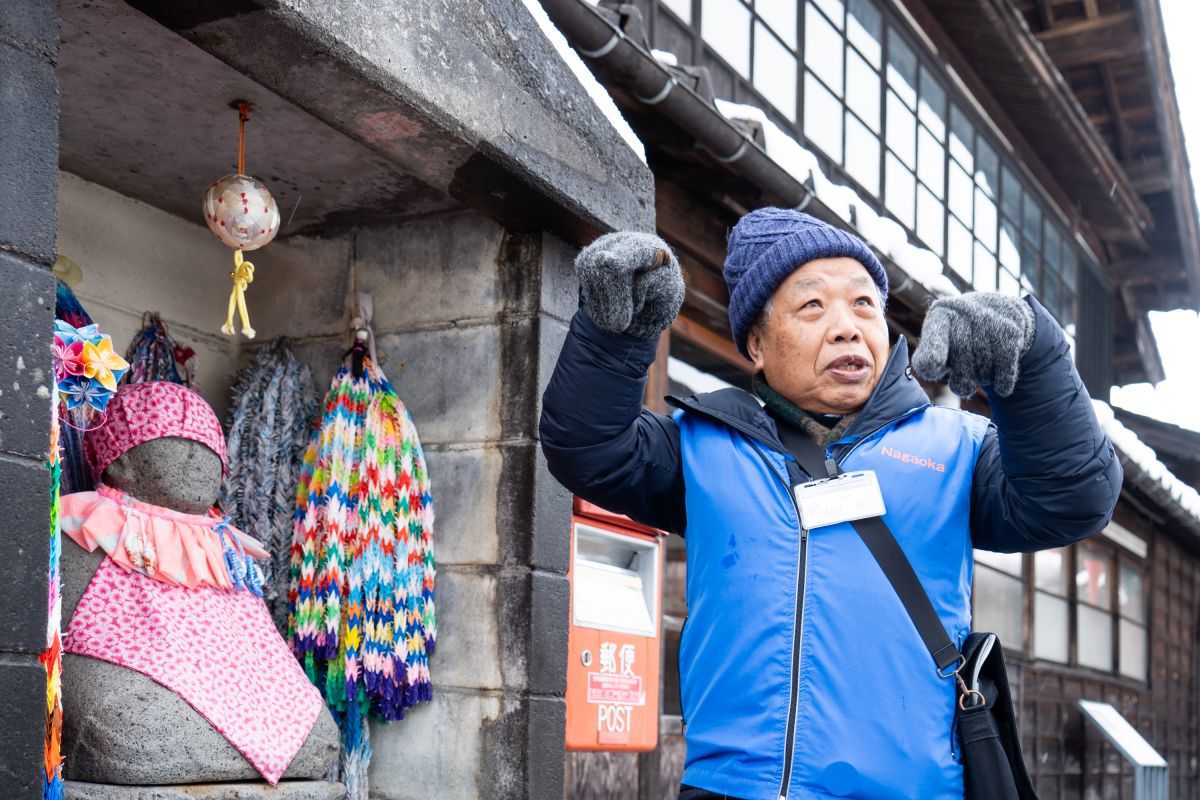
(802, 675)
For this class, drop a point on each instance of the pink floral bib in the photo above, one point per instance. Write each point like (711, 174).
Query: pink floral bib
(163, 604)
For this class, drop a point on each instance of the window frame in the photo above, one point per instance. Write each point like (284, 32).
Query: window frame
(1116, 556)
(1047, 284)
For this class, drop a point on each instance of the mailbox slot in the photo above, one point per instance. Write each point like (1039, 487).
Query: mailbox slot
(615, 582)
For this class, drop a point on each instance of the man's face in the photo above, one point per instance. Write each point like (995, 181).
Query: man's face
(825, 341)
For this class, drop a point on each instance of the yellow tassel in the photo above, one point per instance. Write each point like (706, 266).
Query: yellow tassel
(243, 276)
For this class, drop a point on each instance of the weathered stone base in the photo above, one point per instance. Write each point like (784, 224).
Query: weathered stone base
(286, 790)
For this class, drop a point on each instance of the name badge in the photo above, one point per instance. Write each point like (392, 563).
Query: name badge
(854, 495)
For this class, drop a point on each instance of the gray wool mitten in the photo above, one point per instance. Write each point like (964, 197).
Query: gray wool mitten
(978, 339)
(631, 283)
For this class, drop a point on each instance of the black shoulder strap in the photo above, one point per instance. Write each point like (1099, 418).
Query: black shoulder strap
(883, 546)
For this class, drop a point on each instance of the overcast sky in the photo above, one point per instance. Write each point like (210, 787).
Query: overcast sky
(1177, 399)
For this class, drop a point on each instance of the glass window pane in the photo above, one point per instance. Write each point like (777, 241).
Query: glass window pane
(781, 16)
(931, 220)
(1010, 194)
(1010, 284)
(835, 9)
(1051, 296)
(1029, 266)
(862, 89)
(1132, 593)
(1133, 650)
(931, 161)
(725, 25)
(901, 131)
(959, 245)
(985, 269)
(1092, 576)
(901, 189)
(1010, 253)
(1070, 268)
(1052, 249)
(1050, 628)
(864, 29)
(774, 71)
(1032, 225)
(985, 219)
(682, 9)
(998, 607)
(822, 118)
(962, 138)
(987, 167)
(932, 108)
(823, 49)
(961, 193)
(1093, 642)
(1005, 562)
(902, 68)
(862, 155)
(1050, 570)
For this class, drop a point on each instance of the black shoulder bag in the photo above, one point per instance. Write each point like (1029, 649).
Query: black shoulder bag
(993, 766)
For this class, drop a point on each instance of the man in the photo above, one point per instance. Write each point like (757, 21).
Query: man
(802, 675)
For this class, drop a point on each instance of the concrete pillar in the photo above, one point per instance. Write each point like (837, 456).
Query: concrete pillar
(29, 166)
(469, 320)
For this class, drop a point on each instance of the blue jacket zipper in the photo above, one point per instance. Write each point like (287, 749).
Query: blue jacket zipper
(789, 742)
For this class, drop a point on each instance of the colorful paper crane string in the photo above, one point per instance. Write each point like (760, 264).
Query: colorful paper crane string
(362, 571)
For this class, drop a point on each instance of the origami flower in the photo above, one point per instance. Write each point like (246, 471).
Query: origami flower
(102, 364)
(68, 357)
(70, 334)
(78, 390)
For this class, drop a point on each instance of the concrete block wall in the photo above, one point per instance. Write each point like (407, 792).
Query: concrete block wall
(28, 164)
(138, 258)
(469, 319)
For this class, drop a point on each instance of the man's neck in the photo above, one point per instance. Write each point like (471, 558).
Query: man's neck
(822, 428)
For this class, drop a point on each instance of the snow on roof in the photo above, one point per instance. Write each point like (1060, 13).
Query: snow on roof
(885, 235)
(1143, 458)
(598, 93)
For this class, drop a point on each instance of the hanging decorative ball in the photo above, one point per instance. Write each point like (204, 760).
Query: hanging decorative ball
(241, 212)
(243, 215)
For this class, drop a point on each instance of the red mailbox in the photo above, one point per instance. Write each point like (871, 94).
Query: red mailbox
(615, 632)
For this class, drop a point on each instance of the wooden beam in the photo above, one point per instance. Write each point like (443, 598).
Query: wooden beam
(1163, 94)
(712, 343)
(1124, 138)
(1152, 269)
(657, 383)
(1149, 175)
(1046, 11)
(689, 223)
(1091, 10)
(1092, 41)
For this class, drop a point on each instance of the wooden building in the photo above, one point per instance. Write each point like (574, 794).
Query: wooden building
(1010, 145)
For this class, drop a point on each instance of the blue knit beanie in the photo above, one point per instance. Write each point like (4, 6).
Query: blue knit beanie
(769, 244)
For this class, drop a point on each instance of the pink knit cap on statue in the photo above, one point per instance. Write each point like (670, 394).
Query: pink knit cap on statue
(140, 412)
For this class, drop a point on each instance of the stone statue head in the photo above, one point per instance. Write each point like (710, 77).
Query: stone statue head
(161, 443)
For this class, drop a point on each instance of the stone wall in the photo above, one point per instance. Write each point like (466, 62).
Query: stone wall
(469, 319)
(28, 164)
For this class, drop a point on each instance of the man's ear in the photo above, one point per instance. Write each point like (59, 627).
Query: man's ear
(754, 346)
